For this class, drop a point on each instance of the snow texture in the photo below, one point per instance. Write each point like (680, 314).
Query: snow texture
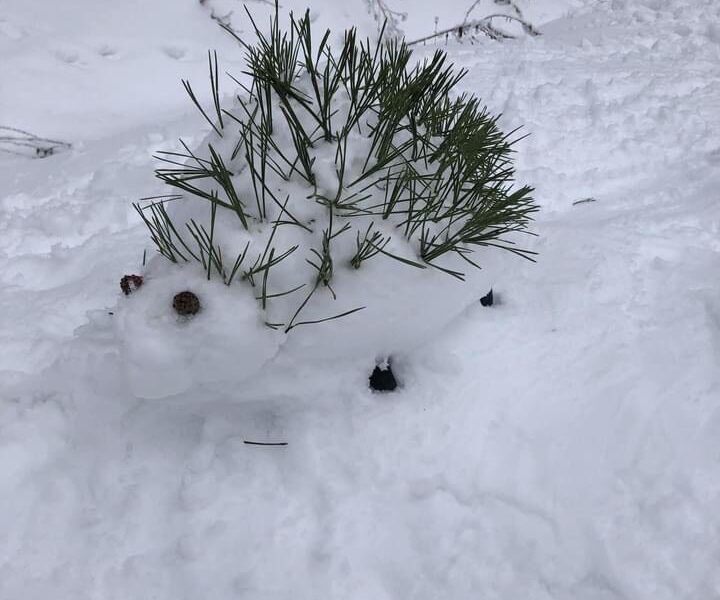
(562, 444)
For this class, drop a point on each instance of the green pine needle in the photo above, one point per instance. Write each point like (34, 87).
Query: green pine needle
(436, 169)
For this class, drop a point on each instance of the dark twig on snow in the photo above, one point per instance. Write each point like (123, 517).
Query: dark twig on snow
(225, 21)
(510, 3)
(249, 443)
(388, 20)
(485, 25)
(584, 201)
(23, 143)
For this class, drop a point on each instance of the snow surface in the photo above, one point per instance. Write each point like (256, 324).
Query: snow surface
(563, 444)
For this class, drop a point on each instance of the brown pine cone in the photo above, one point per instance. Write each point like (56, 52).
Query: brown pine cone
(186, 303)
(129, 283)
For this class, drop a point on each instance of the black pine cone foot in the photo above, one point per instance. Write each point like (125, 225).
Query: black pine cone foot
(487, 299)
(382, 378)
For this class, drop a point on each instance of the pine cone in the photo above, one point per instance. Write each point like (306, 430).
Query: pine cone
(382, 378)
(129, 283)
(186, 303)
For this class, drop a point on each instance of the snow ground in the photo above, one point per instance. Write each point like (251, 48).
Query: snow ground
(563, 444)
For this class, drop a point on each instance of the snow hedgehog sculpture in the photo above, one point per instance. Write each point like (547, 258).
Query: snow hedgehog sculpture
(343, 187)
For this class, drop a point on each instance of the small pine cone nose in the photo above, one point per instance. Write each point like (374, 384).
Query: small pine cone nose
(186, 303)
(130, 283)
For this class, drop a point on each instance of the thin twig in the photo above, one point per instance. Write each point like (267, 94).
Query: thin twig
(584, 201)
(18, 139)
(249, 443)
(484, 25)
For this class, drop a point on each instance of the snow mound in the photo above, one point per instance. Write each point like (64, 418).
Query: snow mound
(354, 194)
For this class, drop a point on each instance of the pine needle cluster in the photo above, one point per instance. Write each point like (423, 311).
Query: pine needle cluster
(361, 151)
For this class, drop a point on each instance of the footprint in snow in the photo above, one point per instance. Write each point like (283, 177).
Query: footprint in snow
(175, 52)
(69, 57)
(107, 51)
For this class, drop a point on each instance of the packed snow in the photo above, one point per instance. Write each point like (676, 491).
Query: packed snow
(563, 443)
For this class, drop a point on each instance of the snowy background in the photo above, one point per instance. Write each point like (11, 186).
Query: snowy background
(563, 444)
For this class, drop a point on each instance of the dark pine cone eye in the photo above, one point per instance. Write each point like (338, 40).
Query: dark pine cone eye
(186, 303)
